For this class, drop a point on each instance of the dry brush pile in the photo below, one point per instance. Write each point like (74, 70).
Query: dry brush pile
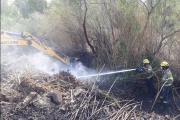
(31, 94)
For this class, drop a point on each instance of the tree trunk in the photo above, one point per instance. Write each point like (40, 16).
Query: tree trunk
(85, 32)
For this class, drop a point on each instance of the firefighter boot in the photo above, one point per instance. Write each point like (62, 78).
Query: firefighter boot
(160, 100)
(164, 106)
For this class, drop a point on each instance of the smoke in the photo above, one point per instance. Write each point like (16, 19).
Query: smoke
(52, 66)
(49, 65)
(78, 69)
(42, 62)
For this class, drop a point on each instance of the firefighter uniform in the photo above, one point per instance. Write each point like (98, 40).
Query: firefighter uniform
(149, 79)
(166, 76)
(148, 76)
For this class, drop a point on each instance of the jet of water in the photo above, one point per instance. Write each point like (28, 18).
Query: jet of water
(107, 73)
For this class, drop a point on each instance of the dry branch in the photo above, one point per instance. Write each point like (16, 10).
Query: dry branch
(85, 31)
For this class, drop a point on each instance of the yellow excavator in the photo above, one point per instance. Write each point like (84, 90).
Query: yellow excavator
(13, 39)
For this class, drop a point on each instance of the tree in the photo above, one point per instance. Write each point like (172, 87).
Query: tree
(85, 31)
(9, 15)
(29, 6)
(168, 22)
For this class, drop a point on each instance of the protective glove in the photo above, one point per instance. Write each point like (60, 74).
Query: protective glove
(138, 69)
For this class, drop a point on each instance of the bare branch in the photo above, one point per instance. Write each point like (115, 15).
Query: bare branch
(144, 5)
(163, 38)
(85, 32)
(174, 32)
(155, 5)
(148, 16)
(112, 30)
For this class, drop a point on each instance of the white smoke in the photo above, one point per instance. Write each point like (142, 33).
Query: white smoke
(52, 66)
(78, 69)
(44, 63)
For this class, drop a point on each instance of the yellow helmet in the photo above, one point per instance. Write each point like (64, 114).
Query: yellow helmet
(164, 64)
(145, 61)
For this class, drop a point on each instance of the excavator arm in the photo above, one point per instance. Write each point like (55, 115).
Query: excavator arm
(25, 38)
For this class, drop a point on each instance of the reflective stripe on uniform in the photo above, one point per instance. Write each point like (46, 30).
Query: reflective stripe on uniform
(149, 69)
(164, 101)
(161, 97)
(168, 78)
(168, 84)
(149, 77)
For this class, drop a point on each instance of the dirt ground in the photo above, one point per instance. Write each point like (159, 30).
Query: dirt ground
(62, 97)
(30, 94)
(138, 92)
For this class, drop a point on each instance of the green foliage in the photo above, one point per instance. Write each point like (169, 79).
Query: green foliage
(166, 16)
(9, 15)
(30, 6)
(149, 55)
(122, 48)
(83, 85)
(114, 28)
(102, 95)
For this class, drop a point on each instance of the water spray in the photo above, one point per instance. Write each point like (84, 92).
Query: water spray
(107, 73)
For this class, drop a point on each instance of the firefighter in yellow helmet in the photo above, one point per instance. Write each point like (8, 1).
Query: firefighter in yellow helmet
(166, 76)
(148, 77)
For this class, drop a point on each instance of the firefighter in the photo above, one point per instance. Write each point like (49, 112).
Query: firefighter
(148, 77)
(166, 76)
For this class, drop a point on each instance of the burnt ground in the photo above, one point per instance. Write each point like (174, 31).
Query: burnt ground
(137, 90)
(23, 91)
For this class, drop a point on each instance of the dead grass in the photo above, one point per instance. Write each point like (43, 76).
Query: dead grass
(87, 105)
